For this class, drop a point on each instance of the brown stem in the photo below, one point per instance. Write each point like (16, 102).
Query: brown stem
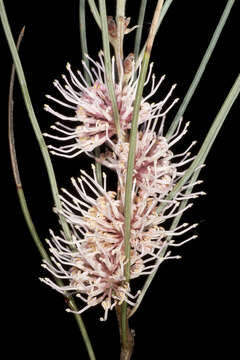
(153, 28)
(127, 349)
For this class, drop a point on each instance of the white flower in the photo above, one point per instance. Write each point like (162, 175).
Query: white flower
(92, 263)
(91, 120)
(156, 169)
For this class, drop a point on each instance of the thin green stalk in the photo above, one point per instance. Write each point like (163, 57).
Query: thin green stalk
(82, 328)
(133, 137)
(84, 48)
(138, 35)
(32, 116)
(172, 227)
(201, 68)
(83, 37)
(131, 158)
(165, 8)
(128, 188)
(130, 164)
(120, 11)
(44, 255)
(214, 129)
(182, 109)
(108, 65)
(25, 210)
(98, 166)
(95, 12)
(120, 17)
(202, 155)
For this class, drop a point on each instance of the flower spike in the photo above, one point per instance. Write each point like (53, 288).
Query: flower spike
(92, 263)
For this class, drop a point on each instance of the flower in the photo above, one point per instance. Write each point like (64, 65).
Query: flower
(91, 122)
(92, 263)
(156, 167)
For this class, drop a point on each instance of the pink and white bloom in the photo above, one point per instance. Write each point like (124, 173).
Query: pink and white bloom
(157, 169)
(91, 121)
(92, 263)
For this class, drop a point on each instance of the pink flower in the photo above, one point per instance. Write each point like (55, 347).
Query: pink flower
(92, 263)
(91, 122)
(157, 168)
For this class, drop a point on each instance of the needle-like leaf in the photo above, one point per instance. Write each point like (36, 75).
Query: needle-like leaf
(202, 67)
(83, 41)
(25, 209)
(200, 159)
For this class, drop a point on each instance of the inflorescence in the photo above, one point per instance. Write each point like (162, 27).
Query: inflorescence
(92, 262)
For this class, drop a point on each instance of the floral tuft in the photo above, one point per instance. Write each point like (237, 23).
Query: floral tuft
(91, 122)
(156, 167)
(92, 263)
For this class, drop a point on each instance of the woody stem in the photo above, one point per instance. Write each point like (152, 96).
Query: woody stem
(127, 347)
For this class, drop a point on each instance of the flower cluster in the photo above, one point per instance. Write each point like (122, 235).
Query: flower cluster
(156, 170)
(93, 261)
(93, 121)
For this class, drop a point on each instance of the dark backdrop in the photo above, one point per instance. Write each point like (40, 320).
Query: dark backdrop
(188, 309)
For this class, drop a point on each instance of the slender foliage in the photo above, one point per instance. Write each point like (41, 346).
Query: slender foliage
(25, 209)
(200, 159)
(201, 68)
(131, 156)
(84, 47)
(138, 35)
(107, 60)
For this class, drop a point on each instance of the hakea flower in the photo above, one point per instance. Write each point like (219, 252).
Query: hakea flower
(91, 122)
(156, 169)
(92, 263)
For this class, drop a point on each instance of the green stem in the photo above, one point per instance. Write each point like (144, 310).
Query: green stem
(98, 166)
(133, 139)
(32, 116)
(25, 210)
(201, 68)
(131, 159)
(95, 12)
(138, 35)
(130, 164)
(120, 11)
(212, 133)
(187, 98)
(78, 318)
(202, 155)
(108, 65)
(172, 227)
(44, 255)
(83, 40)
(120, 17)
(71, 303)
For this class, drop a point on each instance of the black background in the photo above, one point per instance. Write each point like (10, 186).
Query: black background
(188, 311)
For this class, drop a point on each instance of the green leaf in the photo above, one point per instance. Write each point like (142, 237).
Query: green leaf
(201, 68)
(199, 160)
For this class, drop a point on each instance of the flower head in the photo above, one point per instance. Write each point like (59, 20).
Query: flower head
(92, 263)
(91, 122)
(156, 168)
